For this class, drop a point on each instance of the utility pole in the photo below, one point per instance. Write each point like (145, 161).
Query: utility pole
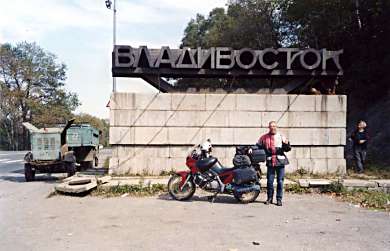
(110, 4)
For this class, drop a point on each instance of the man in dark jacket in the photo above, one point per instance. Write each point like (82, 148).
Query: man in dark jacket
(275, 145)
(360, 139)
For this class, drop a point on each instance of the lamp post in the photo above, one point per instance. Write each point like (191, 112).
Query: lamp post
(109, 5)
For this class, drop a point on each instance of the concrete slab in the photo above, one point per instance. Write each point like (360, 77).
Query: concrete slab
(188, 102)
(263, 183)
(359, 183)
(319, 182)
(225, 102)
(383, 183)
(250, 102)
(314, 125)
(338, 166)
(65, 187)
(276, 102)
(303, 182)
(302, 103)
(104, 179)
(337, 103)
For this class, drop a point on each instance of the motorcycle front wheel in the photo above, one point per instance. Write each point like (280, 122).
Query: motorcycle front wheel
(174, 190)
(246, 197)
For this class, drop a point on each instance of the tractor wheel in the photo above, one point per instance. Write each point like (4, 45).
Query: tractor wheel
(29, 173)
(96, 161)
(86, 165)
(70, 168)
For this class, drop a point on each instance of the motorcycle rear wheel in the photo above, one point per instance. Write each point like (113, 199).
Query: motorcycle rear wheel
(185, 193)
(247, 197)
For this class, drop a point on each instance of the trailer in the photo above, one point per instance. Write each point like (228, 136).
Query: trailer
(83, 140)
(49, 152)
(58, 149)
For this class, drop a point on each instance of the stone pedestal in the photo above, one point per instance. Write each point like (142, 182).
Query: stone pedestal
(153, 133)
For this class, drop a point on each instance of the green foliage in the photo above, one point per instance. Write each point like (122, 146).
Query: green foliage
(296, 188)
(334, 187)
(245, 23)
(132, 190)
(363, 197)
(367, 198)
(360, 27)
(31, 89)
(302, 173)
(167, 173)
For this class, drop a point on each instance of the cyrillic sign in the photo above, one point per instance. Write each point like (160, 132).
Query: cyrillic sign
(224, 62)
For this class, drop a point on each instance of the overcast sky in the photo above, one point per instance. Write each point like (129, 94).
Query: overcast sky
(80, 34)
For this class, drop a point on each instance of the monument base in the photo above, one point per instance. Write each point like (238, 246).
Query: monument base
(152, 134)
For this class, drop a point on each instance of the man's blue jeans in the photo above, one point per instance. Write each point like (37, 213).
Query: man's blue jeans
(270, 182)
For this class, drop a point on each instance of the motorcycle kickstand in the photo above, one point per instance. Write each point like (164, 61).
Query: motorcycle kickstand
(212, 197)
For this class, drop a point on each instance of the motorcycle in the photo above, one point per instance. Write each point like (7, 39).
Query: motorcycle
(206, 172)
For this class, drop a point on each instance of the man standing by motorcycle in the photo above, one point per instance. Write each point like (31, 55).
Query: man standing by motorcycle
(275, 145)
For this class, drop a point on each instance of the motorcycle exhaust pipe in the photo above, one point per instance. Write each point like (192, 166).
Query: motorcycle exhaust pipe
(247, 189)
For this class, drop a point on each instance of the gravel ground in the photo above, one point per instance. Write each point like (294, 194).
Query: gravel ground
(31, 221)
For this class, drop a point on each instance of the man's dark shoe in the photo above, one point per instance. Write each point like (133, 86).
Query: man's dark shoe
(279, 203)
(267, 202)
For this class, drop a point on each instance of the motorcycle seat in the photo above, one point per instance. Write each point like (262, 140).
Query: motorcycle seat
(205, 164)
(224, 169)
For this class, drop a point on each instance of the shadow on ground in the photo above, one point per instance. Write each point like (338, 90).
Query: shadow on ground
(223, 199)
(18, 175)
(95, 171)
(38, 178)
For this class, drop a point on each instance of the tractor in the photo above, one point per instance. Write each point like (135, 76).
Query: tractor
(64, 149)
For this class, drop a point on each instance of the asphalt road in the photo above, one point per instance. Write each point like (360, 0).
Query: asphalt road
(29, 220)
(11, 161)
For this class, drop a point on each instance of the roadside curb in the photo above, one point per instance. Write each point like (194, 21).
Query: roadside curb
(350, 184)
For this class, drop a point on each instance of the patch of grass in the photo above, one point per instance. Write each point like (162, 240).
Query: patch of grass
(138, 190)
(368, 199)
(335, 187)
(295, 188)
(145, 173)
(372, 170)
(167, 173)
(363, 197)
(304, 174)
(379, 171)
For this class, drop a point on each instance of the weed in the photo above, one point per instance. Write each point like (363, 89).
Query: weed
(167, 173)
(295, 188)
(302, 174)
(132, 190)
(367, 198)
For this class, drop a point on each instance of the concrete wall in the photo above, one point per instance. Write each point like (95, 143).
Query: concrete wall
(151, 133)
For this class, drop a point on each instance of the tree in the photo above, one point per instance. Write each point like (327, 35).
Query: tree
(245, 23)
(31, 89)
(360, 27)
